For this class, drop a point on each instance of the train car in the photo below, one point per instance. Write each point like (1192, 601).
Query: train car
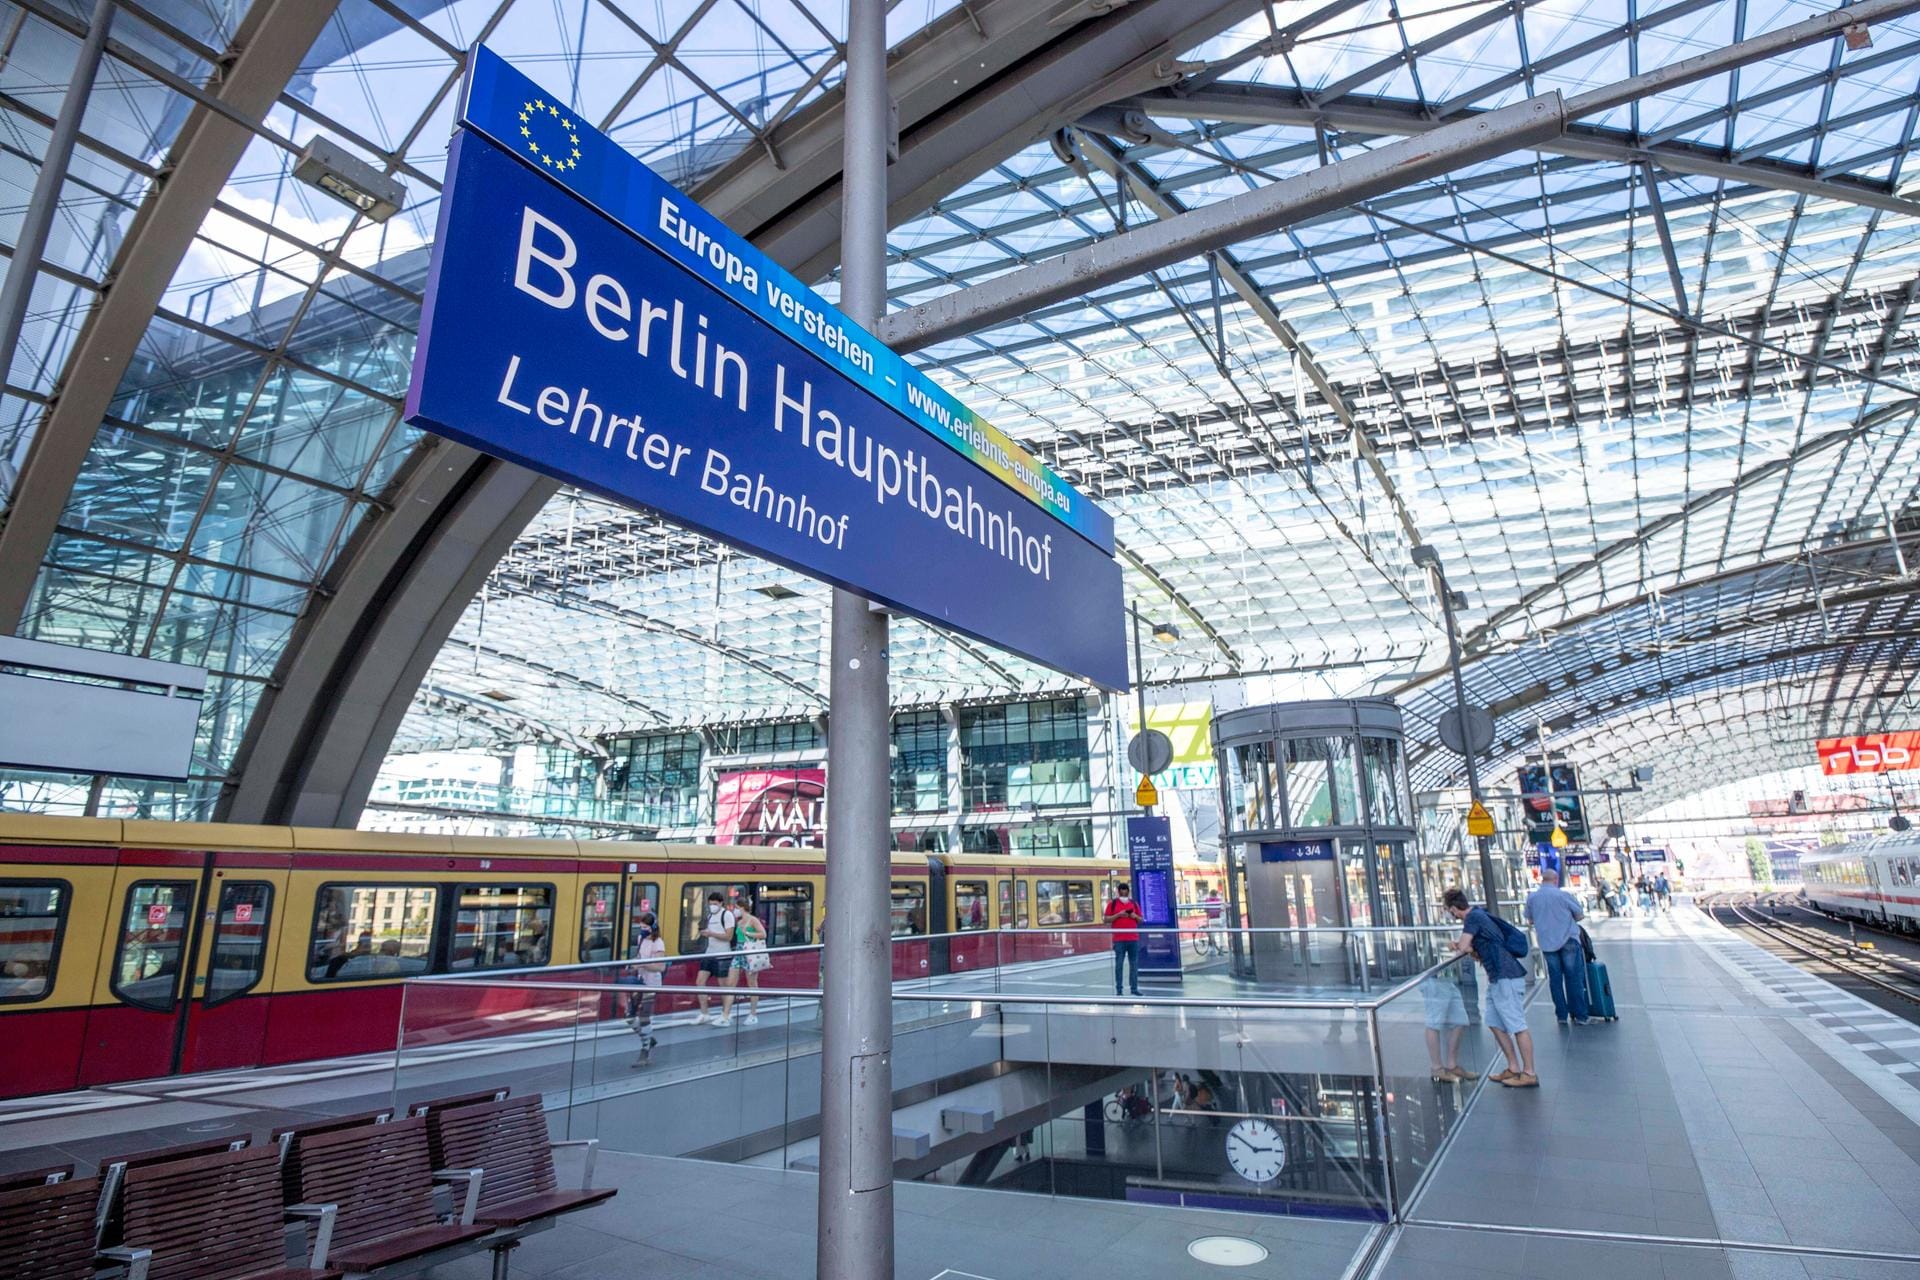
(133, 949)
(1876, 880)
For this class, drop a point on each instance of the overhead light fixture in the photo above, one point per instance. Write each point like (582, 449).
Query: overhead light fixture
(1165, 632)
(777, 591)
(347, 178)
(499, 695)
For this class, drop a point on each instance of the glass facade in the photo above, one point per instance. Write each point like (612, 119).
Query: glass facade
(766, 739)
(1024, 753)
(658, 775)
(919, 762)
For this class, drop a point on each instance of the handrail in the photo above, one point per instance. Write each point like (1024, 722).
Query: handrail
(1304, 931)
(969, 997)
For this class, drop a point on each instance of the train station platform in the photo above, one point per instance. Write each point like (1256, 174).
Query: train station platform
(1741, 1119)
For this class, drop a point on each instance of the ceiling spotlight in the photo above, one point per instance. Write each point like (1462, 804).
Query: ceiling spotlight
(347, 178)
(1165, 632)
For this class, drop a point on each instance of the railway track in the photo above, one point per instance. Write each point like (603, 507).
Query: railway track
(1885, 974)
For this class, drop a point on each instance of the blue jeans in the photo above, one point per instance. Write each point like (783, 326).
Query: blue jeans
(1567, 979)
(1126, 955)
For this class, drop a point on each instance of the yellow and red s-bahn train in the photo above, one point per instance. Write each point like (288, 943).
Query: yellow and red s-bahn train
(133, 949)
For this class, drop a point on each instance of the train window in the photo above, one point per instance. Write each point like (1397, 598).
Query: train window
(1080, 902)
(599, 911)
(787, 912)
(1022, 918)
(1052, 898)
(1106, 895)
(33, 916)
(969, 905)
(1006, 904)
(372, 931)
(240, 940)
(498, 926)
(909, 909)
(153, 936)
(644, 898)
(693, 912)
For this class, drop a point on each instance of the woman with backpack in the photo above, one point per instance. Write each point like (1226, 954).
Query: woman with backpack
(1499, 947)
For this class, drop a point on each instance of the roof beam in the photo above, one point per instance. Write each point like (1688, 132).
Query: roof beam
(267, 49)
(1253, 213)
(1268, 105)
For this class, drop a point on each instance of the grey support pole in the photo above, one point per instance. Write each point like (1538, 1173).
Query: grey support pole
(1460, 712)
(856, 1069)
(32, 245)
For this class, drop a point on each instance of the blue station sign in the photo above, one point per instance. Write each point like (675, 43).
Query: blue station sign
(587, 320)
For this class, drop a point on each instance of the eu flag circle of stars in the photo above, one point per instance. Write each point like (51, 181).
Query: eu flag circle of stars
(531, 111)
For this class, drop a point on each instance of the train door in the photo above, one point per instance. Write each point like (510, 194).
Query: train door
(1876, 890)
(223, 1023)
(135, 1018)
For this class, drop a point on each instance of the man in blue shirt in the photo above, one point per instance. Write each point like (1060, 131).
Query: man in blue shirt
(1555, 916)
(1481, 933)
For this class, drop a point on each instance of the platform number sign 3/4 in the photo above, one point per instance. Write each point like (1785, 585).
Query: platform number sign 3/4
(1256, 1151)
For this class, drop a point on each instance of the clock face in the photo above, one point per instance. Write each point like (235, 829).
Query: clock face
(1255, 1151)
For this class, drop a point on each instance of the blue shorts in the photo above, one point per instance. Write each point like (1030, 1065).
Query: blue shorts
(1507, 1004)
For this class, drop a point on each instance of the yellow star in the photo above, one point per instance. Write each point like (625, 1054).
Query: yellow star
(525, 132)
(574, 138)
(546, 160)
(538, 105)
(524, 117)
(574, 163)
(534, 147)
(566, 124)
(576, 153)
(554, 112)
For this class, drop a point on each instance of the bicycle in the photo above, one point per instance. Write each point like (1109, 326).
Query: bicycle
(1206, 943)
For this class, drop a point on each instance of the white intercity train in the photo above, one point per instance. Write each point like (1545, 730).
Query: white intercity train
(1876, 879)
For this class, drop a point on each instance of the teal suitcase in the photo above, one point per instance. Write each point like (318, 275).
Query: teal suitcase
(1600, 992)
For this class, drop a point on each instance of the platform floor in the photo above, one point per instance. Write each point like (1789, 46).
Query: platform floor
(1735, 1103)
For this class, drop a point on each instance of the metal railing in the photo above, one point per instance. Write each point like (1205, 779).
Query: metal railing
(1350, 1080)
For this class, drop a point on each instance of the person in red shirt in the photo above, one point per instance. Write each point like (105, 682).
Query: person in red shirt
(1123, 918)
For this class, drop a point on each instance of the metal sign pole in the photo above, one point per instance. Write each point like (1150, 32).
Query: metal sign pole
(1460, 709)
(855, 1240)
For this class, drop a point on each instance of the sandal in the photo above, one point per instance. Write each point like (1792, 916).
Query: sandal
(1521, 1080)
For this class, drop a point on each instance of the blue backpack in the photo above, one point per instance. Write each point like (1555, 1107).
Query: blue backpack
(1513, 939)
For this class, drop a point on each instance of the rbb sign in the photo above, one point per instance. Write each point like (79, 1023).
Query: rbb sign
(587, 320)
(1873, 753)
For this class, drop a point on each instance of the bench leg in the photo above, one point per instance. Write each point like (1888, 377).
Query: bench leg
(502, 1256)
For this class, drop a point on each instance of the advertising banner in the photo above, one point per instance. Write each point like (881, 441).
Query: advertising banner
(585, 319)
(1871, 753)
(786, 808)
(1546, 795)
(1150, 854)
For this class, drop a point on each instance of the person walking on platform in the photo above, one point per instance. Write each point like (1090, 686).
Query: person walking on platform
(650, 963)
(1123, 917)
(1555, 916)
(1498, 946)
(1663, 890)
(718, 960)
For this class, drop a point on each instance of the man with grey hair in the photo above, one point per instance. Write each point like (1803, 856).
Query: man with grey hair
(1555, 916)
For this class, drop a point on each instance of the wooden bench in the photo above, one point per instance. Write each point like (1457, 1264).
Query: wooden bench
(217, 1217)
(286, 1139)
(25, 1178)
(382, 1179)
(113, 1173)
(46, 1231)
(506, 1144)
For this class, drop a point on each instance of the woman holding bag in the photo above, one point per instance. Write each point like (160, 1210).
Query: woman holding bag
(749, 957)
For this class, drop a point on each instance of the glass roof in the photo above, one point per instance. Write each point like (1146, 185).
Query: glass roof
(1630, 387)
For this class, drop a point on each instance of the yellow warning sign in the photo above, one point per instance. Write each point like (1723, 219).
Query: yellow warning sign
(1146, 795)
(1479, 821)
(1559, 838)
